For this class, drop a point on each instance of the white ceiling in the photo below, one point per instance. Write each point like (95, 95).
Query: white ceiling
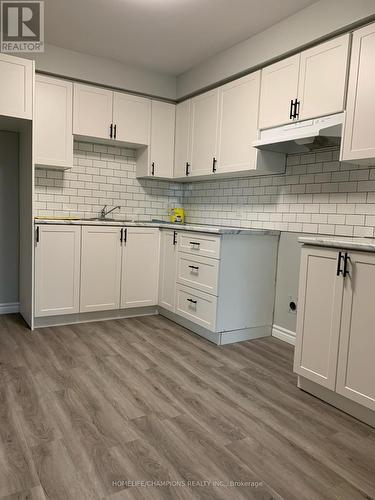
(169, 36)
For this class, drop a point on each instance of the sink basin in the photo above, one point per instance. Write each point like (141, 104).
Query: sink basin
(106, 219)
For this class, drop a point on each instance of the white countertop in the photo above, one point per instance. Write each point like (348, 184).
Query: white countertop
(202, 228)
(364, 244)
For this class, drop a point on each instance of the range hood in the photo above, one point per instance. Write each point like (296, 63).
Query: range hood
(302, 136)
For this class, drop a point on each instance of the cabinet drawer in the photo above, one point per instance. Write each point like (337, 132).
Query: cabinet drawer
(200, 244)
(198, 272)
(198, 307)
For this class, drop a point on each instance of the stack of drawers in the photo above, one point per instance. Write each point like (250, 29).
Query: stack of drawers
(198, 267)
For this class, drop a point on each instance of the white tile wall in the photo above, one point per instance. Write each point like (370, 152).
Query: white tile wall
(318, 194)
(103, 175)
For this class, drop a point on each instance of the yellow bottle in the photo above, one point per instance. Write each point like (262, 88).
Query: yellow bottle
(177, 216)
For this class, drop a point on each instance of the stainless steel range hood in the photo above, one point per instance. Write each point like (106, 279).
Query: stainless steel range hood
(302, 136)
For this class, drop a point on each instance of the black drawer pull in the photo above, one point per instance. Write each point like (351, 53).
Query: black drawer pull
(194, 267)
(339, 270)
(121, 235)
(174, 237)
(195, 243)
(192, 301)
(346, 261)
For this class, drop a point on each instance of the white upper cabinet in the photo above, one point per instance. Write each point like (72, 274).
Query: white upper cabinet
(92, 116)
(356, 367)
(238, 123)
(131, 118)
(100, 268)
(307, 85)
(140, 267)
(359, 140)
(16, 87)
(322, 78)
(204, 125)
(182, 141)
(279, 86)
(57, 270)
(53, 122)
(163, 118)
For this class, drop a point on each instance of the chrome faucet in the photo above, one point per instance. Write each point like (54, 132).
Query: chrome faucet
(104, 212)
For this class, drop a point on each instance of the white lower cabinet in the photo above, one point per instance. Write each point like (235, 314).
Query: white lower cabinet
(335, 328)
(196, 306)
(57, 270)
(100, 268)
(168, 269)
(140, 267)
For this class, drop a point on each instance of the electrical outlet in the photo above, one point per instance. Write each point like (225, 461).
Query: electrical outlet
(292, 305)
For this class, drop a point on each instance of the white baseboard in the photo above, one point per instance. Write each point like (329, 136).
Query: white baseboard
(283, 334)
(10, 308)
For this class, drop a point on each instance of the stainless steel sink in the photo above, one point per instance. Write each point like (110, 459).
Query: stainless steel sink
(106, 219)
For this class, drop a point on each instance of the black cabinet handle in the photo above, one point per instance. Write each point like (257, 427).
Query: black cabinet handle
(291, 113)
(195, 243)
(153, 168)
(115, 132)
(174, 237)
(37, 234)
(194, 267)
(125, 235)
(187, 169)
(346, 262)
(214, 161)
(339, 270)
(111, 131)
(121, 235)
(192, 301)
(296, 108)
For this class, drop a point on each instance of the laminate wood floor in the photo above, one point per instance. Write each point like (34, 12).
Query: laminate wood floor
(143, 409)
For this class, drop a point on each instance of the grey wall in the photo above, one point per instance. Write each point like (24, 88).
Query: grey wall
(287, 279)
(9, 218)
(102, 71)
(308, 25)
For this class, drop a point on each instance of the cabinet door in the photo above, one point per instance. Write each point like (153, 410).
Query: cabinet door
(204, 125)
(322, 78)
(318, 320)
(100, 268)
(140, 267)
(163, 117)
(356, 367)
(238, 123)
(358, 142)
(279, 85)
(16, 87)
(92, 111)
(182, 141)
(132, 118)
(57, 269)
(168, 269)
(53, 122)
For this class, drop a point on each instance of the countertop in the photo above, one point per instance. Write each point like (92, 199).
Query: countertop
(364, 244)
(201, 228)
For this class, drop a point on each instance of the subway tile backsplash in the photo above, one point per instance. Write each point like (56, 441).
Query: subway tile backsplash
(318, 194)
(103, 175)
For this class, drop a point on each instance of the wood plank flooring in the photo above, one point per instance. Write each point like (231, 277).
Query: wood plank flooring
(88, 410)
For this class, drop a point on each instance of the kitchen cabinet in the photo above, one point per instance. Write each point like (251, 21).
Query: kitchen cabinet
(182, 139)
(140, 267)
(16, 87)
(306, 85)
(57, 270)
(203, 133)
(238, 124)
(100, 268)
(279, 87)
(168, 269)
(358, 143)
(53, 122)
(335, 326)
(131, 118)
(318, 321)
(158, 159)
(92, 112)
